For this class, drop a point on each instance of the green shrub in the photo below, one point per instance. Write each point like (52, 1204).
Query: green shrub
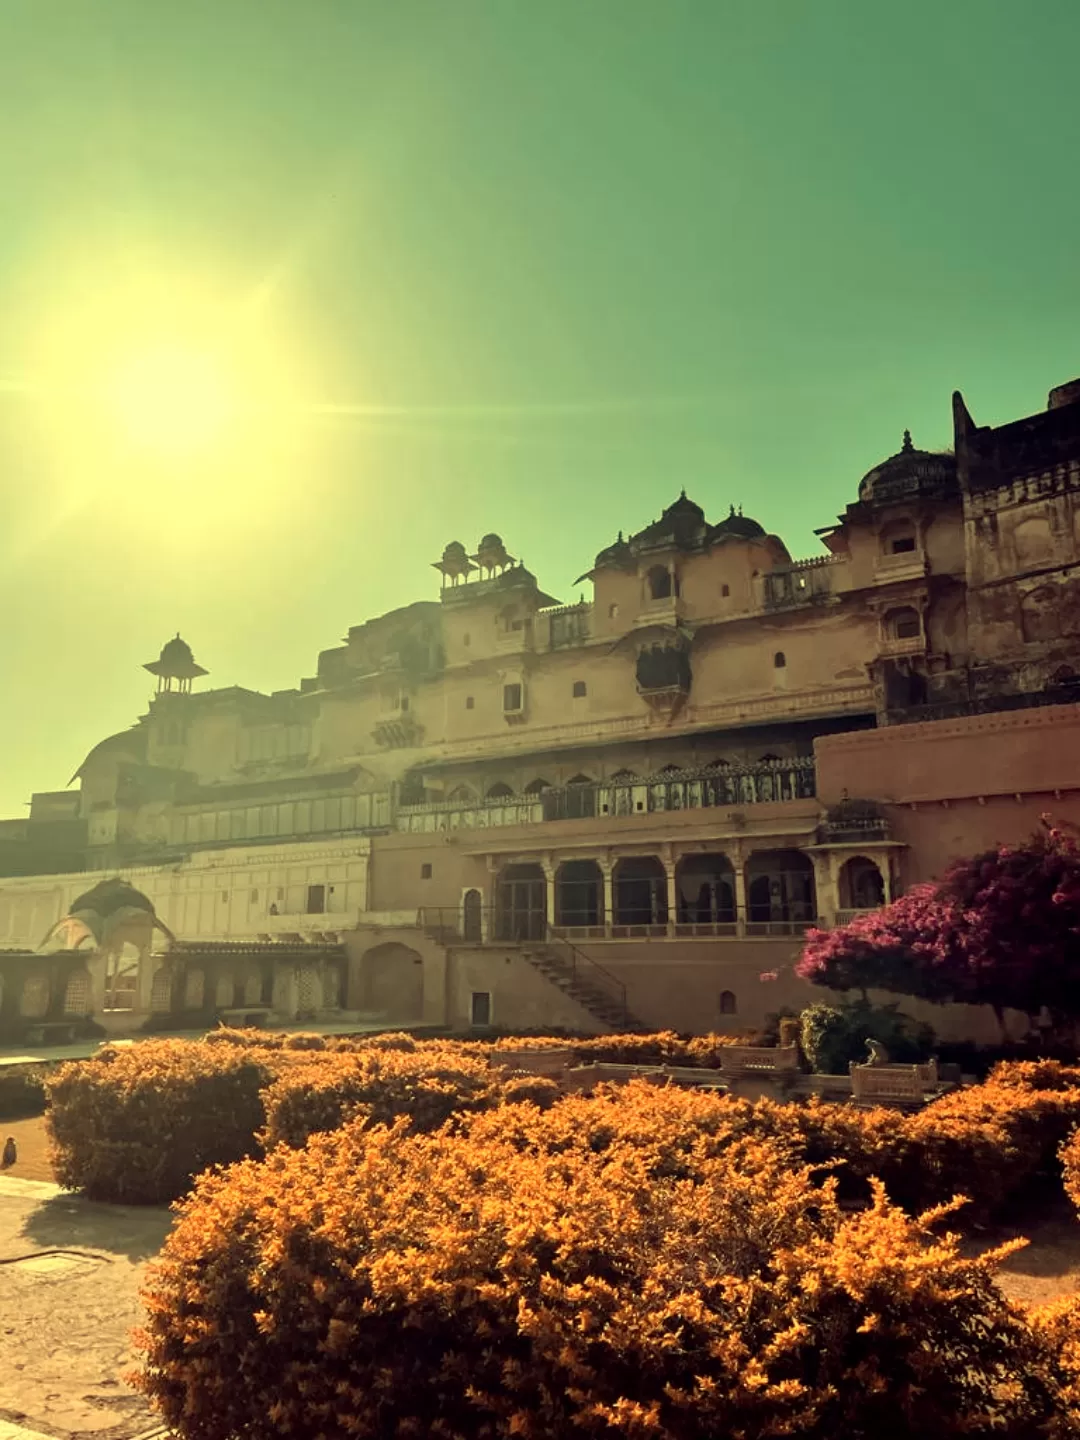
(133, 1126)
(22, 1091)
(542, 1275)
(834, 1036)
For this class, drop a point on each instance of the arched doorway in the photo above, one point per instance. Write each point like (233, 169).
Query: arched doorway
(579, 895)
(640, 894)
(705, 892)
(392, 983)
(861, 886)
(780, 891)
(77, 996)
(521, 903)
(472, 917)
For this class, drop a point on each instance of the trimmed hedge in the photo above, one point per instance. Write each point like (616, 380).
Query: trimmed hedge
(135, 1125)
(382, 1085)
(628, 1265)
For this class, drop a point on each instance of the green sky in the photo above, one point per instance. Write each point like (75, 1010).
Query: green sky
(568, 257)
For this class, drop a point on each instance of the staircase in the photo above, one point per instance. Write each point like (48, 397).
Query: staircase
(575, 974)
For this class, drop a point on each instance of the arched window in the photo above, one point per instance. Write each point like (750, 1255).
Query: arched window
(461, 793)
(580, 780)
(499, 791)
(779, 660)
(728, 1005)
(659, 582)
(624, 775)
(903, 624)
(537, 787)
(725, 591)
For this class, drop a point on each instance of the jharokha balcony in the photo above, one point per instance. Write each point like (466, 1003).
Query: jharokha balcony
(624, 794)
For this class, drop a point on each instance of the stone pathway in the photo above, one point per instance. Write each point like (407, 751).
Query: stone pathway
(70, 1272)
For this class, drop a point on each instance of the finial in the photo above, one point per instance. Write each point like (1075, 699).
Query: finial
(620, 537)
(740, 512)
(907, 445)
(732, 512)
(682, 493)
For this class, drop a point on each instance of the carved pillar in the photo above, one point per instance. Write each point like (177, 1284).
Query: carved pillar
(738, 861)
(668, 860)
(549, 887)
(607, 871)
(825, 871)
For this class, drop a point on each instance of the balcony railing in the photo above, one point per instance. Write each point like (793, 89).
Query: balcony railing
(988, 705)
(730, 786)
(807, 582)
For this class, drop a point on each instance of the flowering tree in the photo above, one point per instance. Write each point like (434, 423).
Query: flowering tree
(1000, 929)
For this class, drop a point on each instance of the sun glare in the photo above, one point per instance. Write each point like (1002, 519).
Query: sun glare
(172, 400)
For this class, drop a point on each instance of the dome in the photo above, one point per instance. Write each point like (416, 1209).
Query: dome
(739, 525)
(682, 524)
(454, 551)
(907, 475)
(176, 662)
(616, 554)
(491, 542)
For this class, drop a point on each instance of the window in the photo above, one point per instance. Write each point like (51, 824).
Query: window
(512, 698)
(904, 624)
(480, 1011)
(659, 582)
(425, 872)
(579, 689)
(404, 702)
(725, 590)
(612, 611)
(499, 791)
(470, 703)
(903, 545)
(778, 660)
(727, 1002)
(516, 624)
(316, 900)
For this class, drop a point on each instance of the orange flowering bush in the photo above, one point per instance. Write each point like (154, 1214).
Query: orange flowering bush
(1070, 1164)
(135, 1125)
(635, 1264)
(426, 1086)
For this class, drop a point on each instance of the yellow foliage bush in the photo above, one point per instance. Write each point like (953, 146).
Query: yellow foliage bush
(637, 1264)
(135, 1125)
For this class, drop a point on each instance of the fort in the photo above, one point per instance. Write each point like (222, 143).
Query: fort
(489, 808)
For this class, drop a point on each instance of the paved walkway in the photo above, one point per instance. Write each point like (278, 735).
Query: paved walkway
(70, 1272)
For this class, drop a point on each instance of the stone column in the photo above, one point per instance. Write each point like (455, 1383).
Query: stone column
(672, 892)
(825, 885)
(549, 891)
(738, 862)
(607, 871)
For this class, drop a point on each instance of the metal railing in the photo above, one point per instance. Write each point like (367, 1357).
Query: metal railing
(721, 785)
(492, 925)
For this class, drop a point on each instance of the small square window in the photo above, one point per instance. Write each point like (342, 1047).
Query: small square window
(903, 545)
(579, 689)
(425, 872)
(511, 698)
(470, 703)
(725, 590)
(907, 629)
(480, 1008)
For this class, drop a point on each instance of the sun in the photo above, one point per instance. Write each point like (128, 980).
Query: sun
(172, 400)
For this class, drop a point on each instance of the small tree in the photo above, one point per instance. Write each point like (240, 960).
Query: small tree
(1000, 929)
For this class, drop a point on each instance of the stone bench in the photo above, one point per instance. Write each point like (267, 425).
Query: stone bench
(51, 1032)
(893, 1084)
(758, 1059)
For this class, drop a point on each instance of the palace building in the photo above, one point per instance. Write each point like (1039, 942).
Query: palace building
(490, 808)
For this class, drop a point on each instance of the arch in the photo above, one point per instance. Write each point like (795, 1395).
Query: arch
(77, 992)
(580, 780)
(640, 891)
(903, 623)
(392, 983)
(462, 794)
(161, 992)
(728, 1003)
(253, 987)
(670, 770)
(1040, 617)
(521, 903)
(1032, 540)
(579, 894)
(499, 791)
(779, 660)
(194, 989)
(658, 582)
(705, 890)
(224, 990)
(622, 776)
(780, 888)
(472, 916)
(34, 1000)
(861, 886)
(578, 803)
(537, 786)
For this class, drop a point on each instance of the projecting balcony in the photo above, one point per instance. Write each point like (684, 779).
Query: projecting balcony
(723, 786)
(905, 565)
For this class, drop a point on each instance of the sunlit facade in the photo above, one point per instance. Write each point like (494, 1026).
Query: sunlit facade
(500, 809)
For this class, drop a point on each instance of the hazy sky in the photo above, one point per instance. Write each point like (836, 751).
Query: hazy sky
(517, 265)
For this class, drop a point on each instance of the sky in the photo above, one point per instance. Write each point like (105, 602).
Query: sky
(404, 273)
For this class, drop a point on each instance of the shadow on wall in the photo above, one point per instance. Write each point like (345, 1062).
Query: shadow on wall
(391, 983)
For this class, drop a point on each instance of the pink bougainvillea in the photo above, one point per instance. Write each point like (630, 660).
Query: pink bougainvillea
(1001, 928)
